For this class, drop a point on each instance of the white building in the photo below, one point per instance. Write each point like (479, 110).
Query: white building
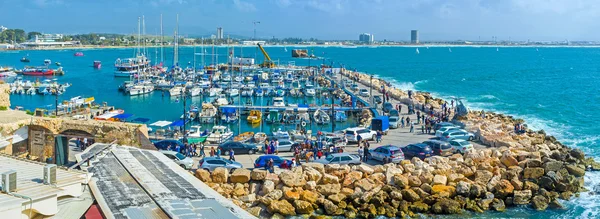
(366, 38)
(48, 40)
(3, 28)
(253, 42)
(219, 33)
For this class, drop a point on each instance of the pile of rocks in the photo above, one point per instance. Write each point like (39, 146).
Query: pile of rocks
(488, 179)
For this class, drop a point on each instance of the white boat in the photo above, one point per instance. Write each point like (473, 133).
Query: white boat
(278, 102)
(213, 92)
(226, 78)
(417, 51)
(289, 77)
(131, 66)
(195, 91)
(310, 92)
(31, 91)
(247, 92)
(321, 117)
(281, 135)
(302, 115)
(204, 83)
(207, 115)
(233, 92)
(175, 91)
(238, 79)
(219, 134)
(259, 92)
(221, 100)
(7, 72)
(140, 89)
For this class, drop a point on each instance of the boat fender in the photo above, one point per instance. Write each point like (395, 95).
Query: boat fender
(303, 123)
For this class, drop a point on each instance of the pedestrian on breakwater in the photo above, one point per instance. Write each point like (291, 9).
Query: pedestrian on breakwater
(231, 155)
(407, 120)
(359, 139)
(218, 152)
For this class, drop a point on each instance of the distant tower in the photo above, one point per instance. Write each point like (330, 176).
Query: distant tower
(219, 33)
(414, 36)
(366, 38)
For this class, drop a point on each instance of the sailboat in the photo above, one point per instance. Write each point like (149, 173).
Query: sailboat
(496, 49)
(417, 51)
(285, 48)
(449, 49)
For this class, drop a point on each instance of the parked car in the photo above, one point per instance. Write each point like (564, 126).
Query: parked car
(442, 124)
(180, 159)
(457, 134)
(354, 87)
(378, 99)
(366, 134)
(440, 148)
(393, 153)
(394, 113)
(363, 92)
(286, 145)
(394, 120)
(340, 158)
(387, 107)
(420, 150)
(262, 161)
(238, 148)
(164, 144)
(461, 146)
(335, 141)
(441, 130)
(381, 123)
(211, 163)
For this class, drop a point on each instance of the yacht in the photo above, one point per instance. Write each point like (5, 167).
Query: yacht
(175, 91)
(195, 91)
(7, 72)
(131, 66)
(207, 115)
(140, 89)
(219, 134)
(278, 102)
(221, 100)
(233, 92)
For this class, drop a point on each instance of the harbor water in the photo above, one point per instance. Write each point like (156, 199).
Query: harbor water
(554, 89)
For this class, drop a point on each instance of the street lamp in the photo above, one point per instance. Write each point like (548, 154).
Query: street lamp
(371, 88)
(331, 90)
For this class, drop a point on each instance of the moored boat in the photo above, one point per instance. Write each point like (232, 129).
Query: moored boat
(78, 54)
(246, 136)
(207, 115)
(260, 137)
(255, 117)
(219, 134)
(97, 64)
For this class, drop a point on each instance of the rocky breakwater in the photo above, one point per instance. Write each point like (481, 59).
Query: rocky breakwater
(487, 179)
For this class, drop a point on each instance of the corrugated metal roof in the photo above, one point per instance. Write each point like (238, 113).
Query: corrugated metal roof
(156, 182)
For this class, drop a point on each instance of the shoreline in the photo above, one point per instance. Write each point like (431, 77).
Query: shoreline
(312, 46)
(530, 169)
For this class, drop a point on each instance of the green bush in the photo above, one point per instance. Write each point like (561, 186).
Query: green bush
(28, 112)
(3, 108)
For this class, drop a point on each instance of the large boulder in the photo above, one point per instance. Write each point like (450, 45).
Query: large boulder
(575, 171)
(410, 195)
(504, 188)
(203, 175)
(483, 177)
(401, 181)
(291, 195)
(329, 179)
(292, 178)
(282, 207)
(440, 180)
(443, 191)
(258, 174)
(365, 184)
(303, 207)
(329, 189)
(351, 177)
(533, 172)
(522, 197)
(498, 205)
(508, 160)
(309, 196)
(310, 185)
(577, 154)
(220, 175)
(390, 172)
(268, 186)
(240, 176)
(317, 166)
(312, 174)
(539, 202)
(463, 188)
(553, 166)
(414, 181)
(446, 206)
(365, 169)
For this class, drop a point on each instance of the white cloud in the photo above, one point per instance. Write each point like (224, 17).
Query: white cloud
(244, 6)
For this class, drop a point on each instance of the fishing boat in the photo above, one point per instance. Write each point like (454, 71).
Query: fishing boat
(279, 92)
(260, 137)
(196, 134)
(259, 92)
(281, 135)
(310, 92)
(97, 64)
(278, 102)
(141, 89)
(340, 116)
(244, 137)
(195, 91)
(273, 116)
(213, 92)
(221, 100)
(302, 117)
(219, 134)
(207, 115)
(78, 54)
(38, 71)
(25, 59)
(47, 62)
(247, 92)
(321, 117)
(255, 117)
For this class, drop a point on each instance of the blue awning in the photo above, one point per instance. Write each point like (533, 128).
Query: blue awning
(302, 105)
(122, 116)
(141, 120)
(177, 123)
(228, 109)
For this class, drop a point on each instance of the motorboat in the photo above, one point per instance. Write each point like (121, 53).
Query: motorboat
(196, 132)
(321, 117)
(255, 117)
(279, 92)
(281, 135)
(244, 137)
(97, 64)
(219, 134)
(7, 72)
(208, 113)
(131, 66)
(310, 92)
(260, 137)
(247, 92)
(302, 116)
(221, 100)
(289, 77)
(278, 102)
(238, 79)
(340, 116)
(25, 59)
(259, 92)
(213, 92)
(38, 71)
(233, 92)
(195, 91)
(140, 89)
(175, 91)
(47, 62)
(78, 54)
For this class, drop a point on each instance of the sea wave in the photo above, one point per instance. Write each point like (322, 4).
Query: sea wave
(421, 82)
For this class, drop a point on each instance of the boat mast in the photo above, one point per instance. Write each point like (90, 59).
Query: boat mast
(162, 52)
(138, 39)
(202, 52)
(144, 52)
(176, 47)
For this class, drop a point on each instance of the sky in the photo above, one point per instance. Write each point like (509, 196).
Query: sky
(538, 20)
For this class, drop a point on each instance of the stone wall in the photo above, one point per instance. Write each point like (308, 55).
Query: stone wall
(4, 95)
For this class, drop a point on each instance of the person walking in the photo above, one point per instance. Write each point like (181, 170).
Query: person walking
(359, 139)
(231, 155)
(202, 150)
(402, 121)
(218, 152)
(412, 128)
(379, 135)
(361, 152)
(212, 151)
(365, 152)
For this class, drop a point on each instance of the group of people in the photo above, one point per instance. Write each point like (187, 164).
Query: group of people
(189, 150)
(83, 143)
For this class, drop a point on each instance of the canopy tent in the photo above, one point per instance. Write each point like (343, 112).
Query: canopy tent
(178, 123)
(141, 120)
(122, 116)
(161, 123)
(228, 110)
(196, 140)
(302, 105)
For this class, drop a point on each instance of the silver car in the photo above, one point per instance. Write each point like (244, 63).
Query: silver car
(210, 163)
(340, 158)
(394, 122)
(179, 159)
(457, 134)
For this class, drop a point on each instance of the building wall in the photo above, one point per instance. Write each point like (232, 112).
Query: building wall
(414, 36)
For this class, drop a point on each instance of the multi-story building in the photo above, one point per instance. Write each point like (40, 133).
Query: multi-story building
(366, 38)
(219, 33)
(414, 36)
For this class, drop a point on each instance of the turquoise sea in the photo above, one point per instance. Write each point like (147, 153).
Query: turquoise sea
(555, 89)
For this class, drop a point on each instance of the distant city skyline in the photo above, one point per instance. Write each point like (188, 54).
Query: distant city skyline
(486, 20)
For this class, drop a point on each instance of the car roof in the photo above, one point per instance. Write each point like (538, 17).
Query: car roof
(168, 152)
(340, 154)
(454, 131)
(436, 141)
(214, 158)
(355, 129)
(458, 140)
(390, 147)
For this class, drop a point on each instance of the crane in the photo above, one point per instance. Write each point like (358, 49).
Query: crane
(268, 63)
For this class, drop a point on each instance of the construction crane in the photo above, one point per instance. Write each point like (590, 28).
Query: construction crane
(268, 63)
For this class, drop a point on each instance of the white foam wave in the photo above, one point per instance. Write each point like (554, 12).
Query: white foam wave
(421, 82)
(488, 97)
